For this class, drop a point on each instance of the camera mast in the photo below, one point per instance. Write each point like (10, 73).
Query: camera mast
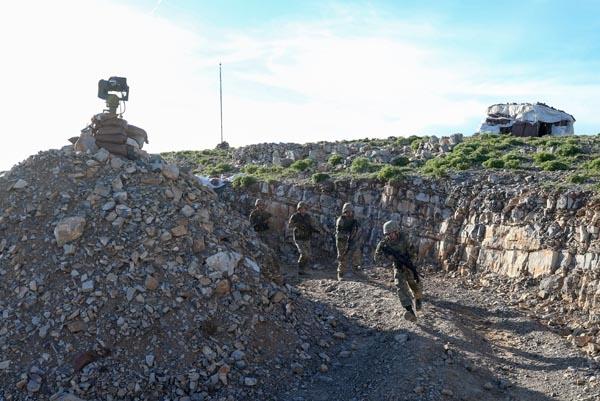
(221, 100)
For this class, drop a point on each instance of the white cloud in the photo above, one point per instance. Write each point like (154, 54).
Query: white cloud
(344, 77)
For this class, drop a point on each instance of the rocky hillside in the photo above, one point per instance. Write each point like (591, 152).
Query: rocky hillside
(125, 280)
(129, 281)
(576, 159)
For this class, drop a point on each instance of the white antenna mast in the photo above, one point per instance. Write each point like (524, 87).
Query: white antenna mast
(221, 100)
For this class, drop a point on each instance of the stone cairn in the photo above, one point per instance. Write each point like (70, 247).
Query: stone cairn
(110, 132)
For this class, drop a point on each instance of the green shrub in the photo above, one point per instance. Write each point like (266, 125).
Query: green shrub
(301, 165)
(493, 163)
(568, 149)
(414, 145)
(512, 164)
(552, 143)
(400, 161)
(553, 165)
(361, 165)
(542, 157)
(335, 159)
(594, 165)
(578, 178)
(320, 177)
(250, 168)
(221, 168)
(404, 141)
(512, 156)
(390, 173)
(461, 165)
(436, 166)
(243, 181)
(513, 141)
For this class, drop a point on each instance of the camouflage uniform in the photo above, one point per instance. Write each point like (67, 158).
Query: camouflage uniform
(259, 219)
(303, 228)
(346, 232)
(406, 278)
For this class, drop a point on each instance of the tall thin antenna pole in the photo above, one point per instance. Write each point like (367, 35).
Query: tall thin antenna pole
(221, 100)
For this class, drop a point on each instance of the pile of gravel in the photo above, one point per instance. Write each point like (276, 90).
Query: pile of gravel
(124, 280)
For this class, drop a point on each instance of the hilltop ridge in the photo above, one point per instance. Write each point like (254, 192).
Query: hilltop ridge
(575, 159)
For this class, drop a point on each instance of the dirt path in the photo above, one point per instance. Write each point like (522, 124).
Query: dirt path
(467, 345)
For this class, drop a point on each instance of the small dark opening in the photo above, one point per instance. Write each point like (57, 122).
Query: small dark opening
(545, 129)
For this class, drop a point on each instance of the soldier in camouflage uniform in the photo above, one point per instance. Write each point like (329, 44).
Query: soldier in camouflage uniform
(394, 246)
(303, 228)
(259, 217)
(346, 233)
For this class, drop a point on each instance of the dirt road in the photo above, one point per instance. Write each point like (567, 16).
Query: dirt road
(469, 344)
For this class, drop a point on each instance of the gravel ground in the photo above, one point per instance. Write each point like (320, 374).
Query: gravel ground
(469, 344)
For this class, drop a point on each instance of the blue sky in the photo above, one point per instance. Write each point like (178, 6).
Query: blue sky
(294, 71)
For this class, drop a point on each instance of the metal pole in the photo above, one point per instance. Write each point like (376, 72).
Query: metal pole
(221, 100)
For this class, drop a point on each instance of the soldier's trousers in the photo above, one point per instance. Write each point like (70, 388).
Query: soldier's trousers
(346, 255)
(271, 268)
(407, 286)
(304, 251)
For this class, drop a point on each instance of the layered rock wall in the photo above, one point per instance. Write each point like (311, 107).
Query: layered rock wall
(513, 225)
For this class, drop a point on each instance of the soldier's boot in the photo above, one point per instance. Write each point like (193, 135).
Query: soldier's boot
(410, 314)
(418, 304)
(340, 276)
(302, 268)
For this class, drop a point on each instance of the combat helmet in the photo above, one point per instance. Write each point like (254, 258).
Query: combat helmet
(301, 205)
(347, 207)
(390, 226)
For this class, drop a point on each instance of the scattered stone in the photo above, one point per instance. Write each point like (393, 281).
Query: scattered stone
(151, 283)
(34, 384)
(69, 229)
(297, 368)
(187, 211)
(87, 286)
(65, 397)
(250, 381)
(102, 155)
(20, 184)
(170, 171)
(77, 326)
(447, 392)
(401, 338)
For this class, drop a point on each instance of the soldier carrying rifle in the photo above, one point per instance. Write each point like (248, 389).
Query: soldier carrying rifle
(394, 246)
(346, 236)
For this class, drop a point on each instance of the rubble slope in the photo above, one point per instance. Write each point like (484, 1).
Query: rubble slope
(128, 280)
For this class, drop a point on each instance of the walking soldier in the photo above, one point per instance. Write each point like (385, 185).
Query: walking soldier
(259, 217)
(346, 233)
(303, 228)
(394, 246)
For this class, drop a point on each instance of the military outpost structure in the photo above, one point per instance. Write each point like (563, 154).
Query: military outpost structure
(526, 119)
